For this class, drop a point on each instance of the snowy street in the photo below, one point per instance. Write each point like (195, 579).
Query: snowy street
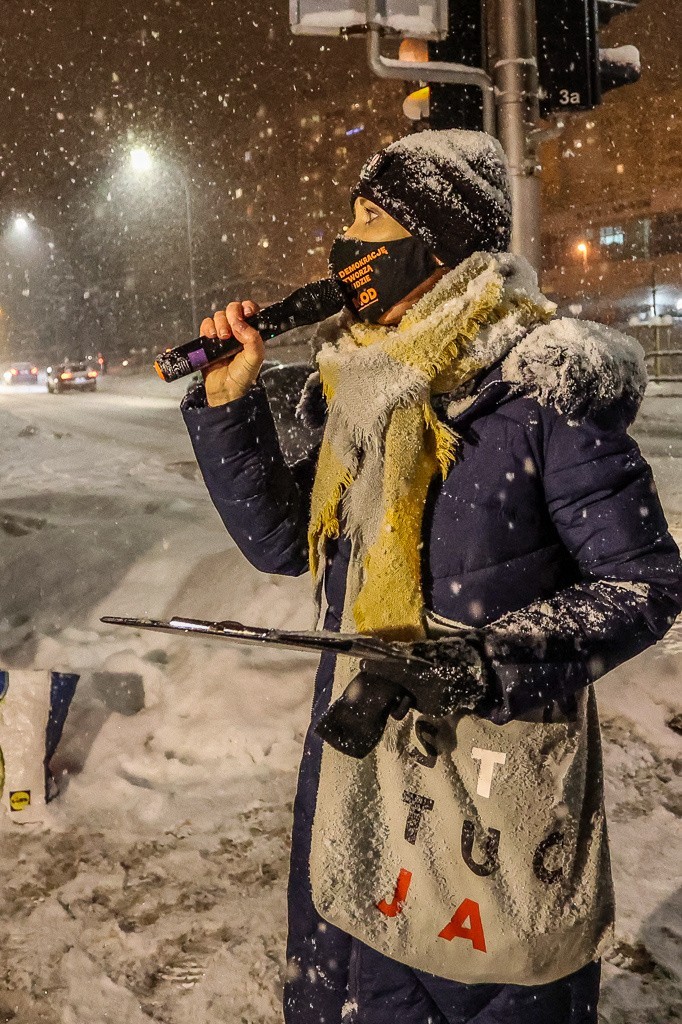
(136, 410)
(156, 888)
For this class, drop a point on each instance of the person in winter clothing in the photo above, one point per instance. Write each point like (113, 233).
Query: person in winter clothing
(477, 500)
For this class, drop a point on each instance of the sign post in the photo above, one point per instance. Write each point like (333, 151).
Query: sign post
(516, 90)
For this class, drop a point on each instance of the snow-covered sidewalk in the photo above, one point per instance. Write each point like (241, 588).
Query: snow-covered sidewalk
(156, 888)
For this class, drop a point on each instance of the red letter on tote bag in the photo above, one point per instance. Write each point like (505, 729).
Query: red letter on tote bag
(401, 890)
(467, 909)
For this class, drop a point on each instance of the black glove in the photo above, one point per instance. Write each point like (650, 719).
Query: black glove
(452, 680)
(355, 722)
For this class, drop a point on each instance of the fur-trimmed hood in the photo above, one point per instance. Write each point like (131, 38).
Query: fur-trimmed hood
(578, 367)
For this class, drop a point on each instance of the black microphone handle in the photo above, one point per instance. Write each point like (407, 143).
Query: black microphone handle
(307, 305)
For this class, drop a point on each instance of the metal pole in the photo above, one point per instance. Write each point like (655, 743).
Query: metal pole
(516, 93)
(657, 328)
(190, 247)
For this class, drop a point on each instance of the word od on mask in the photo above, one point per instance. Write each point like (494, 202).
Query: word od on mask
(376, 276)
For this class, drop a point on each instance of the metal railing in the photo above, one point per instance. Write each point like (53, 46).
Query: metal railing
(657, 375)
(662, 344)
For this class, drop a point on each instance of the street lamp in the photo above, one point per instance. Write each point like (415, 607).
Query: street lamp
(142, 162)
(582, 248)
(33, 250)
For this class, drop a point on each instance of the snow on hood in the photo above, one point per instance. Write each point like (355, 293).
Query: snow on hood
(627, 56)
(579, 367)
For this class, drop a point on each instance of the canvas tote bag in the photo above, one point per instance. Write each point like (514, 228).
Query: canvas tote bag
(476, 852)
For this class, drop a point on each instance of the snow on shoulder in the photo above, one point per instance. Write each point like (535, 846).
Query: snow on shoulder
(579, 367)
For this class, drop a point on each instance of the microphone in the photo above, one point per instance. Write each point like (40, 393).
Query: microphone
(307, 305)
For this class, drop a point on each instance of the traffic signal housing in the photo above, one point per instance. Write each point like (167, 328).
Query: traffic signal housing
(458, 106)
(573, 71)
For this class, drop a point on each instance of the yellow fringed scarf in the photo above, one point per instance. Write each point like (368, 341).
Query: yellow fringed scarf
(383, 443)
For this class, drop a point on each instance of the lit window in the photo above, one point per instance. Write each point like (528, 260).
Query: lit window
(611, 236)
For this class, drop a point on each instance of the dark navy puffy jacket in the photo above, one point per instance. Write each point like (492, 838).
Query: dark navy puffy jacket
(543, 527)
(536, 522)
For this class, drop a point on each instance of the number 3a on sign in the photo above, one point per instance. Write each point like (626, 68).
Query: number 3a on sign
(568, 98)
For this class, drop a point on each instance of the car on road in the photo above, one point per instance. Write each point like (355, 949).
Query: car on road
(21, 373)
(71, 376)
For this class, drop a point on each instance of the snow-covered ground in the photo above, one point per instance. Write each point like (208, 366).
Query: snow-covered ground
(155, 889)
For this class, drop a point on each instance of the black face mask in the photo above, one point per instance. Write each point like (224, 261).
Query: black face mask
(376, 275)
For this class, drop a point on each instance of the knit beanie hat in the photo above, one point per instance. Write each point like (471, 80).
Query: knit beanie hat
(449, 188)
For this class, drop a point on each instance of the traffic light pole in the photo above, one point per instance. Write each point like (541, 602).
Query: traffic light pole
(515, 75)
(433, 71)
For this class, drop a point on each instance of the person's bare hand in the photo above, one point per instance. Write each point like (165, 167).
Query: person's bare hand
(228, 379)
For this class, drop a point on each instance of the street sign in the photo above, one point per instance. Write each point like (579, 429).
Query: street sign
(568, 55)
(415, 18)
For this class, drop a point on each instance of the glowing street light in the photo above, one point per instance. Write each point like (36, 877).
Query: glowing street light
(26, 228)
(582, 248)
(142, 162)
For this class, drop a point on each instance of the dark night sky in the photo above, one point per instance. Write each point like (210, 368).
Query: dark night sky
(218, 88)
(209, 83)
(256, 118)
